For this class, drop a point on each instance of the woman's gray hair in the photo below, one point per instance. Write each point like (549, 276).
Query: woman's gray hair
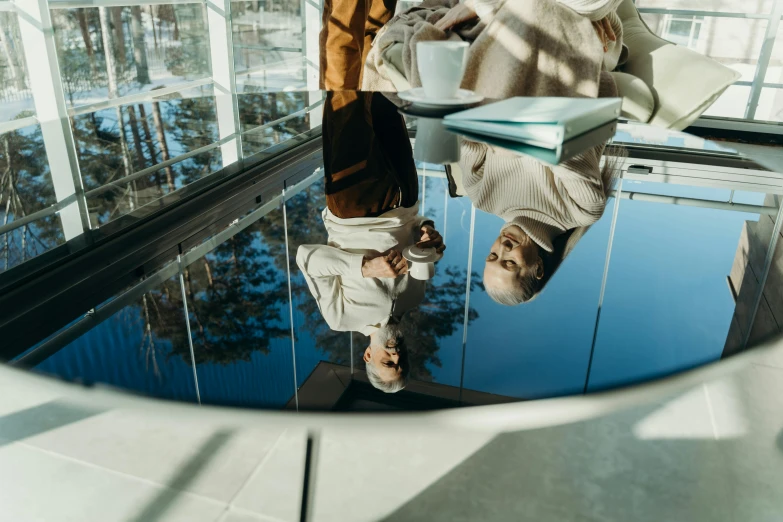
(386, 387)
(524, 291)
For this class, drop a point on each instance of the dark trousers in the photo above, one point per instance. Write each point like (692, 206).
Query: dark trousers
(349, 27)
(368, 159)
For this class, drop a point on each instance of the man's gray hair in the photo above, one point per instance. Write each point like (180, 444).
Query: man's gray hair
(386, 387)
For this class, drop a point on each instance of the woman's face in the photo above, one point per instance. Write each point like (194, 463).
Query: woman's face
(512, 254)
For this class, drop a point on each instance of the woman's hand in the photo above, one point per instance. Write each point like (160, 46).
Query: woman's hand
(431, 238)
(459, 14)
(388, 265)
(603, 29)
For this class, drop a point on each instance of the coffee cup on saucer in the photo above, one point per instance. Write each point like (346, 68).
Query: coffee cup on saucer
(441, 67)
(422, 262)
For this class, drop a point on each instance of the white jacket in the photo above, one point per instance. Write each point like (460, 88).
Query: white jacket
(348, 301)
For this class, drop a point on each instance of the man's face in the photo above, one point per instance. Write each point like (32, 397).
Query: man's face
(386, 352)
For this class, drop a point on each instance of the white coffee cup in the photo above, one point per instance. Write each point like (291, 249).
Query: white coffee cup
(441, 67)
(422, 271)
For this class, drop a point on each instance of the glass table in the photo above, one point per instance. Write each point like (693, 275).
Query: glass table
(678, 268)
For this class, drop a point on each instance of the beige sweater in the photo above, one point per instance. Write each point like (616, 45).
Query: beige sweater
(348, 301)
(530, 48)
(593, 10)
(543, 201)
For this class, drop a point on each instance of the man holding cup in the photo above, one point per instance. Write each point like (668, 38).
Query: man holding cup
(359, 278)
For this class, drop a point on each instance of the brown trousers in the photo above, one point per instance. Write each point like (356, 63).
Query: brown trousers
(349, 27)
(368, 159)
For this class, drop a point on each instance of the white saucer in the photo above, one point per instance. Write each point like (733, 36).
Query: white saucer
(463, 97)
(415, 254)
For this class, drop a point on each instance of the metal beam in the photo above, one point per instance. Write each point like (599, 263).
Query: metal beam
(697, 12)
(695, 202)
(74, 4)
(224, 78)
(35, 26)
(764, 58)
(139, 97)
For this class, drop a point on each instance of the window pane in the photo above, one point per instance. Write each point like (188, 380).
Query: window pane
(16, 98)
(268, 44)
(736, 6)
(679, 32)
(26, 188)
(770, 105)
(259, 115)
(775, 70)
(731, 41)
(150, 47)
(117, 142)
(731, 104)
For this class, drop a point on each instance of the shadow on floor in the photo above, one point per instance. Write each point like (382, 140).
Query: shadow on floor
(48, 416)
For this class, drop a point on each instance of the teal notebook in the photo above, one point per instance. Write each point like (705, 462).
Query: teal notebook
(537, 121)
(552, 156)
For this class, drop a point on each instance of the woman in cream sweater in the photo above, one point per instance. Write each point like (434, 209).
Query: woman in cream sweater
(546, 208)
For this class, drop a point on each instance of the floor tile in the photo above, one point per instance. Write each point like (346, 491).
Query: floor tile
(598, 470)
(368, 475)
(275, 488)
(190, 456)
(40, 486)
(749, 421)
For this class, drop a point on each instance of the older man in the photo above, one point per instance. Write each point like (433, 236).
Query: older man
(359, 278)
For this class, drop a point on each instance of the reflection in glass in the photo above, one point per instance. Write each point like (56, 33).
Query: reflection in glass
(359, 278)
(260, 115)
(25, 188)
(238, 309)
(666, 291)
(137, 348)
(151, 133)
(546, 210)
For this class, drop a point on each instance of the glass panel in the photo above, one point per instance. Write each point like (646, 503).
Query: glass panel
(775, 68)
(770, 106)
(734, 42)
(757, 7)
(16, 98)
(151, 46)
(667, 304)
(315, 341)
(258, 113)
(25, 188)
(732, 103)
(143, 347)
(545, 343)
(268, 44)
(238, 306)
(439, 321)
(118, 198)
(151, 132)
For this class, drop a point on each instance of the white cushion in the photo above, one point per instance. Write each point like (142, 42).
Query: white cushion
(638, 99)
(683, 82)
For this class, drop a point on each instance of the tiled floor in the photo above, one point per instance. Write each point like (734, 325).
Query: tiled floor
(714, 453)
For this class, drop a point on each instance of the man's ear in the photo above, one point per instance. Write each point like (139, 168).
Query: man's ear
(540, 269)
(367, 354)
